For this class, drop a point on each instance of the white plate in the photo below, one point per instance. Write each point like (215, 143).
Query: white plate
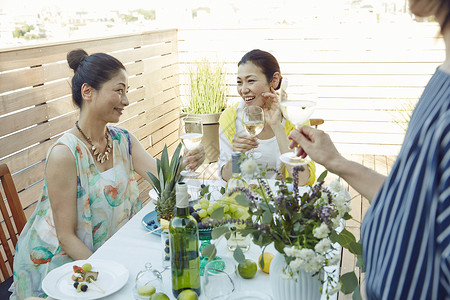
(112, 276)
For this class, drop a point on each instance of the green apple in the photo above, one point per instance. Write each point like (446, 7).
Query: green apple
(159, 296)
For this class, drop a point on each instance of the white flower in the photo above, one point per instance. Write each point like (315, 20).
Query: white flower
(306, 254)
(336, 186)
(249, 166)
(297, 264)
(321, 232)
(334, 260)
(333, 290)
(323, 246)
(290, 251)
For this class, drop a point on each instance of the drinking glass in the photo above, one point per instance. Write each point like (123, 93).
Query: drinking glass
(253, 122)
(190, 133)
(220, 279)
(298, 111)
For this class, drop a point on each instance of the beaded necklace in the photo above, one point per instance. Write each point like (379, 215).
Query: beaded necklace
(100, 157)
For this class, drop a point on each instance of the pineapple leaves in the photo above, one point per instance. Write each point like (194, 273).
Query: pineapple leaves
(165, 165)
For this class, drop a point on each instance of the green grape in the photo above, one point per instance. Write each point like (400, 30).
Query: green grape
(202, 213)
(216, 205)
(210, 210)
(204, 201)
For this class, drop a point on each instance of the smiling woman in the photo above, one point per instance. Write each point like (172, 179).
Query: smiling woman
(90, 190)
(258, 79)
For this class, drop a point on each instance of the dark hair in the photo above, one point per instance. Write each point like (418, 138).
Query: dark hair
(447, 16)
(95, 70)
(265, 61)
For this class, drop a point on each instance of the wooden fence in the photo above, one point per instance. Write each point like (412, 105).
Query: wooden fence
(366, 75)
(36, 105)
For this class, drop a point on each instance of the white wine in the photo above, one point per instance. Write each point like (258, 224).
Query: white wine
(183, 242)
(297, 112)
(191, 140)
(254, 128)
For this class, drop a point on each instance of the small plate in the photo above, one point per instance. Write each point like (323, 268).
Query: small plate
(150, 220)
(112, 276)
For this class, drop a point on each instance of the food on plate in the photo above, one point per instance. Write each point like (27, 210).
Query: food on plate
(82, 276)
(146, 290)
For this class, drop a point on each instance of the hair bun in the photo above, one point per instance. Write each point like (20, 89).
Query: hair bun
(75, 57)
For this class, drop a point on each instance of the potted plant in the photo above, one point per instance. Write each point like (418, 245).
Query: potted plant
(305, 229)
(207, 99)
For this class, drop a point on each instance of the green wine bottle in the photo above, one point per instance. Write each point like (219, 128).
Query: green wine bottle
(183, 241)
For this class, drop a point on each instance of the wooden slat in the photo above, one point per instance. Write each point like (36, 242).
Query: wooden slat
(41, 54)
(36, 134)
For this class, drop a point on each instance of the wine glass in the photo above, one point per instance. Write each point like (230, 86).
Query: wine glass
(298, 112)
(253, 122)
(190, 133)
(220, 279)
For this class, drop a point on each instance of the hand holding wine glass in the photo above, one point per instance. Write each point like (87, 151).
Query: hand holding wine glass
(190, 133)
(297, 112)
(253, 122)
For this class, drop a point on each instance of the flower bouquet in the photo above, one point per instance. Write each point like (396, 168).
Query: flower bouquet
(304, 227)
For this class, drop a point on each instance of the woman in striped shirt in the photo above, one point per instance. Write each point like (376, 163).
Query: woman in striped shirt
(406, 231)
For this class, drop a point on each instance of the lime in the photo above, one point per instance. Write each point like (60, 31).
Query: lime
(146, 290)
(159, 296)
(87, 267)
(248, 269)
(267, 258)
(187, 295)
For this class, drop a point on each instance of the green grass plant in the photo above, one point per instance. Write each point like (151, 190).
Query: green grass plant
(208, 88)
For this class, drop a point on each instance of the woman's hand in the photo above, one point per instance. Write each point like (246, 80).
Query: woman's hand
(194, 158)
(272, 112)
(242, 142)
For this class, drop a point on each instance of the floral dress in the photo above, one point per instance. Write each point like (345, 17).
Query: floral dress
(104, 204)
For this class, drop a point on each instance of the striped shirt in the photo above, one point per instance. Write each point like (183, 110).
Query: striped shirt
(406, 231)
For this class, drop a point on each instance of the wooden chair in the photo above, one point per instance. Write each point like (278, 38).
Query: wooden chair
(316, 122)
(12, 224)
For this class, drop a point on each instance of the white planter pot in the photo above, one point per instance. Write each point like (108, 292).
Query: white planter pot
(306, 287)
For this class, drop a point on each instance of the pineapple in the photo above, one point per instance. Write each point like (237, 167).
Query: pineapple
(164, 183)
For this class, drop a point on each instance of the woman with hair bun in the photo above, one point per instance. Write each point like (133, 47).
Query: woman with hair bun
(90, 190)
(258, 80)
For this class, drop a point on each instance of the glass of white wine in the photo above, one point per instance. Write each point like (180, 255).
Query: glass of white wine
(253, 122)
(298, 112)
(190, 133)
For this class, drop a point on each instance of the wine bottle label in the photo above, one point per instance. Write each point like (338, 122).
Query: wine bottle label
(182, 195)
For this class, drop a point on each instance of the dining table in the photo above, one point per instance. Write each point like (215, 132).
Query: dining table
(132, 247)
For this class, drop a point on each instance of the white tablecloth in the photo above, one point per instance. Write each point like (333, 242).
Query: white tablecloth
(131, 247)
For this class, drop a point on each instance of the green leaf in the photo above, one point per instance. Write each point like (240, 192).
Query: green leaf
(218, 213)
(360, 262)
(333, 237)
(175, 159)
(357, 294)
(242, 199)
(355, 248)
(267, 217)
(165, 163)
(239, 255)
(349, 282)
(219, 231)
(209, 251)
(279, 246)
(345, 237)
(222, 190)
(322, 176)
(347, 216)
(261, 261)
